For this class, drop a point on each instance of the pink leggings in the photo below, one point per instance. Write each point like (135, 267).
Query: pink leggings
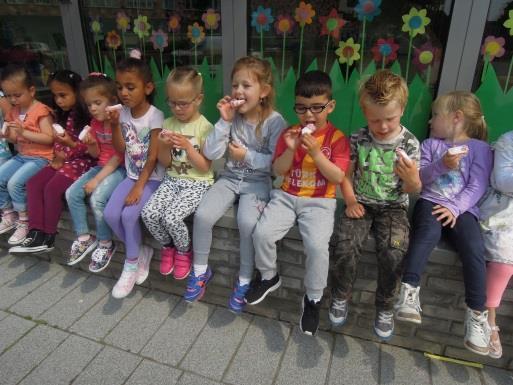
(497, 278)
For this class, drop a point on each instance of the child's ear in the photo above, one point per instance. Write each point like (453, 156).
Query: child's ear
(148, 88)
(266, 89)
(331, 106)
(32, 91)
(458, 116)
(199, 99)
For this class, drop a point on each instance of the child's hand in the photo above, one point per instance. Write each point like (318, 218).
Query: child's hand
(90, 186)
(180, 141)
(165, 137)
(452, 161)
(409, 173)
(58, 160)
(291, 138)
(226, 109)
(444, 215)
(16, 126)
(65, 139)
(134, 196)
(355, 210)
(89, 140)
(113, 118)
(236, 151)
(311, 145)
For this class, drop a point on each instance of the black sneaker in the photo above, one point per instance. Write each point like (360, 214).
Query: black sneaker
(384, 324)
(33, 243)
(50, 242)
(260, 288)
(309, 322)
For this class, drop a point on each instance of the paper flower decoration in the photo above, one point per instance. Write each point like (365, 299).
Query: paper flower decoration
(113, 40)
(196, 33)
(385, 50)
(509, 23)
(173, 23)
(141, 26)
(367, 9)
(96, 26)
(304, 14)
(347, 51)
(425, 55)
(493, 47)
(211, 19)
(261, 19)
(284, 24)
(159, 39)
(332, 24)
(122, 21)
(415, 22)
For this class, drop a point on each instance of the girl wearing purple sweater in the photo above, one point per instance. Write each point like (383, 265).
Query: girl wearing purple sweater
(453, 182)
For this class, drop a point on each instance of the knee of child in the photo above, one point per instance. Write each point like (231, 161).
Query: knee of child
(13, 185)
(202, 218)
(129, 216)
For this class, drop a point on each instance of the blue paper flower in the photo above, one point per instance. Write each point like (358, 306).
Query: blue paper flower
(368, 9)
(261, 19)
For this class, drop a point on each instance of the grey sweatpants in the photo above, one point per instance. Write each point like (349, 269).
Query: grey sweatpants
(252, 195)
(315, 218)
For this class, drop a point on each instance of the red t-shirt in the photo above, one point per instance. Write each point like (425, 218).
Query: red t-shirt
(304, 178)
(103, 137)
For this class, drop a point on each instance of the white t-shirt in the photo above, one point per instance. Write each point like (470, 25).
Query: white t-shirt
(137, 133)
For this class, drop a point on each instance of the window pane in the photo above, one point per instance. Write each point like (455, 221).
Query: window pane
(407, 36)
(169, 33)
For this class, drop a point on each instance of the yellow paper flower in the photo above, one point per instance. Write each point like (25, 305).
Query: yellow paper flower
(415, 22)
(141, 26)
(211, 19)
(347, 51)
(122, 21)
(304, 14)
(509, 23)
(196, 33)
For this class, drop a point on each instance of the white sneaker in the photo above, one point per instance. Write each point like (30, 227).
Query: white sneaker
(477, 332)
(125, 284)
(143, 264)
(408, 307)
(19, 234)
(8, 223)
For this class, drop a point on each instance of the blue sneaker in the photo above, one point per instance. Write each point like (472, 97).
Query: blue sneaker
(237, 301)
(196, 285)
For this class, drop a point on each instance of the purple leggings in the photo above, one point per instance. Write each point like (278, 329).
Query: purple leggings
(124, 220)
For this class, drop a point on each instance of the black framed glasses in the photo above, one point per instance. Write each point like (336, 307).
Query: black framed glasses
(314, 109)
(180, 105)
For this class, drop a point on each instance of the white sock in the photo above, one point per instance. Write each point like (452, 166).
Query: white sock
(199, 269)
(268, 275)
(315, 299)
(84, 237)
(106, 243)
(244, 281)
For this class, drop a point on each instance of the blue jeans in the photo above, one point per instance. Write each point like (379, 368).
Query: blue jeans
(76, 195)
(465, 236)
(14, 175)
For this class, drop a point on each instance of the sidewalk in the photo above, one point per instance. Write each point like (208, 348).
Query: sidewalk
(59, 325)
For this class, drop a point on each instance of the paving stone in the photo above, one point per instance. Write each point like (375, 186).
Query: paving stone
(306, 359)
(14, 267)
(65, 362)
(192, 379)
(12, 328)
(3, 314)
(495, 376)
(110, 367)
(354, 361)
(5, 257)
(26, 282)
(151, 373)
(134, 331)
(77, 302)
(215, 346)
(28, 353)
(445, 373)
(259, 354)
(179, 331)
(49, 293)
(106, 314)
(399, 366)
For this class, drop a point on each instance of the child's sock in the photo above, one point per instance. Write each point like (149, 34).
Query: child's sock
(314, 298)
(244, 281)
(199, 269)
(84, 237)
(23, 216)
(268, 275)
(130, 265)
(106, 244)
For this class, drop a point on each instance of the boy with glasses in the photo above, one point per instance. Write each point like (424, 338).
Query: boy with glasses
(313, 157)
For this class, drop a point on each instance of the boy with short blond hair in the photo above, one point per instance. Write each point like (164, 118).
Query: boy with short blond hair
(376, 191)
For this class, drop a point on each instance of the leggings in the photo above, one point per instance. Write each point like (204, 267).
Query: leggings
(497, 278)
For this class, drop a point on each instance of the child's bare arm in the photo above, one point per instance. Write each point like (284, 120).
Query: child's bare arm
(43, 137)
(354, 209)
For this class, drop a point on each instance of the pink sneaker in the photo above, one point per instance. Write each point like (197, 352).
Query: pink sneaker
(143, 264)
(167, 260)
(19, 234)
(8, 222)
(183, 262)
(125, 283)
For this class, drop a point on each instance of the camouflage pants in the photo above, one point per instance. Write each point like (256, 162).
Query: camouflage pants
(390, 228)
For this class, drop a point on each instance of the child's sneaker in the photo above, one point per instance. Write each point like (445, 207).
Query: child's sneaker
(237, 302)
(101, 257)
(309, 321)
(167, 260)
(477, 332)
(79, 249)
(260, 288)
(196, 285)
(143, 264)
(34, 242)
(125, 283)
(338, 311)
(384, 324)
(183, 263)
(20, 233)
(495, 347)
(408, 307)
(8, 223)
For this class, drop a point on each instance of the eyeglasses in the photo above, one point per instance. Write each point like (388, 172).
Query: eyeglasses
(315, 109)
(180, 105)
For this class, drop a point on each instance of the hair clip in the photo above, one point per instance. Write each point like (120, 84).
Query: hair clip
(97, 75)
(135, 54)
(199, 73)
